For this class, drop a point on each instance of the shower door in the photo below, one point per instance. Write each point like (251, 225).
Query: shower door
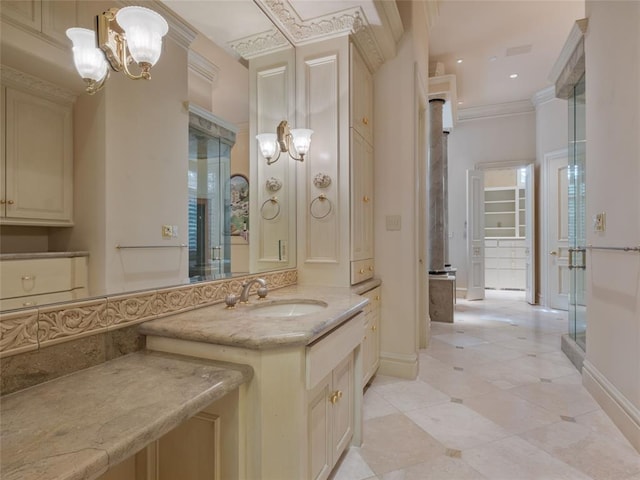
(577, 215)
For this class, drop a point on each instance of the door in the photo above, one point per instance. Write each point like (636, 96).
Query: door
(475, 235)
(530, 234)
(557, 230)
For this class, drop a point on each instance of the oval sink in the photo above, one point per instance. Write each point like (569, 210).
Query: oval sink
(288, 308)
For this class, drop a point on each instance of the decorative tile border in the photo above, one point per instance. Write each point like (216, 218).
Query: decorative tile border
(18, 332)
(27, 330)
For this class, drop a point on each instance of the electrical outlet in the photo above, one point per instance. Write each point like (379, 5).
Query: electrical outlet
(599, 222)
(393, 222)
(167, 231)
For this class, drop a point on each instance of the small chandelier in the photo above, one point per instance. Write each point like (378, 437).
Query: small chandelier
(138, 39)
(283, 138)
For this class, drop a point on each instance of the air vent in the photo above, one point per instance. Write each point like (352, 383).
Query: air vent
(521, 50)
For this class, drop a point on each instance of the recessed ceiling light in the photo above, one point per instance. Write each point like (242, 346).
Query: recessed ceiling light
(513, 75)
(459, 60)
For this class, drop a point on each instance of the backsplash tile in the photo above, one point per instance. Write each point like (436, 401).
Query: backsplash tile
(208, 293)
(129, 309)
(174, 300)
(18, 332)
(57, 324)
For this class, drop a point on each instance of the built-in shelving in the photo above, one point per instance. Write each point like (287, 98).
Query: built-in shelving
(504, 215)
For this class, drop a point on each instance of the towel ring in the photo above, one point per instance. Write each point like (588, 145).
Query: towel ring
(270, 200)
(322, 197)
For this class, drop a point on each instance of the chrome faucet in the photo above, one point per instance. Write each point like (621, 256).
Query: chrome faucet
(246, 286)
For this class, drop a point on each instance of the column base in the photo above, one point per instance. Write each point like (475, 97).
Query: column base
(442, 294)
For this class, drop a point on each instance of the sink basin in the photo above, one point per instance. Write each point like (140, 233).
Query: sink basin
(288, 308)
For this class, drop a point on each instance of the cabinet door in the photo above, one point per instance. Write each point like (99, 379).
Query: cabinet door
(361, 198)
(319, 430)
(26, 13)
(39, 160)
(57, 16)
(342, 407)
(361, 96)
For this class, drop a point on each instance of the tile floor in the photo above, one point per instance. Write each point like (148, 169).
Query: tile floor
(495, 399)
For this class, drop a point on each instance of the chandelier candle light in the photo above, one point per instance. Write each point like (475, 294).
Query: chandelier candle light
(283, 138)
(139, 41)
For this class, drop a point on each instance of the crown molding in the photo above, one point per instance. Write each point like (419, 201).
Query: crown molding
(543, 96)
(496, 110)
(575, 37)
(260, 43)
(201, 66)
(15, 78)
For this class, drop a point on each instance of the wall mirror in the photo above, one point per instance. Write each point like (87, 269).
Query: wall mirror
(172, 152)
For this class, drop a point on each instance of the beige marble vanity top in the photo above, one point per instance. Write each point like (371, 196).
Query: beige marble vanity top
(38, 255)
(78, 426)
(239, 327)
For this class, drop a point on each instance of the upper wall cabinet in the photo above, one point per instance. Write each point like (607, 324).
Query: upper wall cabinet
(361, 90)
(50, 18)
(37, 158)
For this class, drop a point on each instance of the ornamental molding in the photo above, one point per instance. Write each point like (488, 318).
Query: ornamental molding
(15, 78)
(260, 44)
(203, 67)
(543, 96)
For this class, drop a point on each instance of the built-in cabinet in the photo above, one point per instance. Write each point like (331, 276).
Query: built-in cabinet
(505, 263)
(504, 212)
(37, 155)
(371, 339)
(48, 18)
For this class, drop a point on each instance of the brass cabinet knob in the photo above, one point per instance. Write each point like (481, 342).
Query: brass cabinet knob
(370, 268)
(361, 271)
(10, 202)
(366, 199)
(374, 328)
(365, 120)
(553, 252)
(339, 394)
(26, 278)
(3, 201)
(377, 297)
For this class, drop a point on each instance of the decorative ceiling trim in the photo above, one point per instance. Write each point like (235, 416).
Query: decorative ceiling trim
(15, 78)
(350, 21)
(575, 37)
(260, 43)
(544, 95)
(203, 67)
(498, 110)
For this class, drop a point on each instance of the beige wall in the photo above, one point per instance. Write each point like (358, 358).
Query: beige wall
(613, 175)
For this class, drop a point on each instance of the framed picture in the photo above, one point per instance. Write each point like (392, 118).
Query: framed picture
(239, 211)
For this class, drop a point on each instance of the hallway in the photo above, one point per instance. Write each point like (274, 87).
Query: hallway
(495, 399)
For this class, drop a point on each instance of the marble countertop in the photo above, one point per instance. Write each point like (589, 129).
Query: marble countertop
(37, 255)
(239, 327)
(78, 426)
(365, 286)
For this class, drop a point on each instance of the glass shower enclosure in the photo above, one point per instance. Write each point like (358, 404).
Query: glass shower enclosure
(577, 215)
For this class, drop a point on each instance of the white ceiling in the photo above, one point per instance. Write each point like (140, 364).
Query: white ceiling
(477, 30)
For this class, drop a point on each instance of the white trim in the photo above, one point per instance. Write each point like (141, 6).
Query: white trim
(23, 81)
(503, 165)
(203, 67)
(496, 110)
(543, 96)
(622, 412)
(398, 365)
(544, 240)
(575, 36)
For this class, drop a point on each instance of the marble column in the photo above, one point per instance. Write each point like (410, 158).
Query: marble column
(445, 195)
(436, 189)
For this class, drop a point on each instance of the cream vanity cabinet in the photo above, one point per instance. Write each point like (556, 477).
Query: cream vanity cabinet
(37, 158)
(371, 339)
(49, 18)
(361, 168)
(29, 282)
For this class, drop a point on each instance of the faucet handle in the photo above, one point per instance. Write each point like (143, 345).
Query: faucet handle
(262, 292)
(231, 300)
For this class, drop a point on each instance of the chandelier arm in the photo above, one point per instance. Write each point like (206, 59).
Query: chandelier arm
(271, 162)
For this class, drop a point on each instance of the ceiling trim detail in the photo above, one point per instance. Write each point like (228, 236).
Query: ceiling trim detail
(575, 37)
(497, 110)
(350, 21)
(203, 67)
(544, 95)
(16, 78)
(260, 43)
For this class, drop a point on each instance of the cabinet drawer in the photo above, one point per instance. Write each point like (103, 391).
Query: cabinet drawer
(361, 270)
(36, 300)
(36, 276)
(325, 354)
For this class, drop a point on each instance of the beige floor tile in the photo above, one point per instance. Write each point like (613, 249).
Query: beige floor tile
(455, 383)
(516, 459)
(496, 352)
(441, 468)
(411, 395)
(541, 367)
(457, 426)
(375, 405)
(558, 398)
(523, 344)
(394, 442)
(511, 412)
(502, 371)
(461, 357)
(599, 422)
(383, 380)
(579, 446)
(351, 467)
(459, 339)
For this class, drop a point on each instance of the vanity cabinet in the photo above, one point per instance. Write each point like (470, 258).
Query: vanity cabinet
(371, 339)
(361, 89)
(37, 158)
(39, 281)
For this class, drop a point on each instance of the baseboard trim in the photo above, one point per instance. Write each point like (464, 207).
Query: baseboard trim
(622, 412)
(398, 365)
(573, 352)
(461, 293)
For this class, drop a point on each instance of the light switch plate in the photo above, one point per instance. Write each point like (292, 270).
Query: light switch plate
(599, 222)
(393, 222)
(167, 231)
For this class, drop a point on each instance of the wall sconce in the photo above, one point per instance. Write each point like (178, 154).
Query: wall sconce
(283, 138)
(138, 39)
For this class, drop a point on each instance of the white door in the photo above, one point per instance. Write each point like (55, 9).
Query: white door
(557, 230)
(475, 235)
(530, 234)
